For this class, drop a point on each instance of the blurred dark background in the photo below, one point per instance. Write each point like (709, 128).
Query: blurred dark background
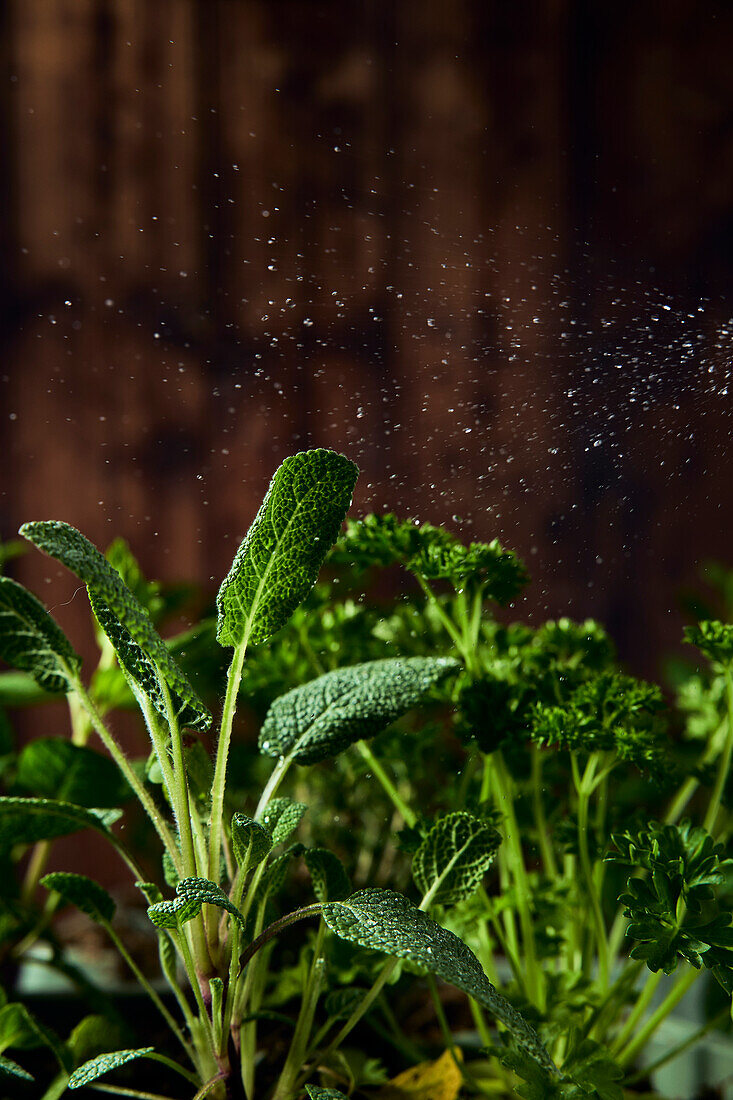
(484, 248)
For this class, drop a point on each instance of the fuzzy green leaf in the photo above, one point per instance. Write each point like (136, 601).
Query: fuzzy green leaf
(385, 921)
(26, 820)
(317, 1093)
(330, 881)
(454, 857)
(12, 1069)
(103, 1063)
(251, 842)
(82, 892)
(278, 562)
(139, 647)
(55, 768)
(30, 640)
(328, 714)
(192, 893)
(281, 817)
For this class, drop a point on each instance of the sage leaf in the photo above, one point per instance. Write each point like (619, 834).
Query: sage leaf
(281, 817)
(385, 921)
(278, 562)
(103, 1063)
(30, 640)
(317, 1093)
(139, 647)
(326, 715)
(12, 1069)
(82, 892)
(192, 893)
(52, 767)
(250, 840)
(26, 820)
(330, 881)
(454, 857)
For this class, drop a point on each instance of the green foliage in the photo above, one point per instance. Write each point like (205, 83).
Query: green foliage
(434, 554)
(588, 1072)
(30, 640)
(281, 817)
(21, 1030)
(26, 820)
(104, 1063)
(385, 921)
(675, 912)
(191, 894)
(54, 768)
(610, 712)
(279, 559)
(82, 892)
(330, 881)
(140, 649)
(454, 857)
(712, 638)
(12, 1069)
(250, 842)
(316, 1093)
(325, 716)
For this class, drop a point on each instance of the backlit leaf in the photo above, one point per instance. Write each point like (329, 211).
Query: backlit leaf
(454, 857)
(281, 817)
(278, 562)
(385, 921)
(326, 715)
(139, 647)
(26, 820)
(30, 640)
(53, 767)
(250, 840)
(82, 892)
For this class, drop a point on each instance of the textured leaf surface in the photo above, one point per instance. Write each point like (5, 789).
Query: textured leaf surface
(282, 817)
(12, 1069)
(278, 562)
(26, 820)
(317, 1093)
(713, 638)
(127, 625)
(328, 714)
(454, 857)
(31, 641)
(95, 1068)
(192, 893)
(330, 881)
(82, 892)
(250, 840)
(385, 921)
(55, 768)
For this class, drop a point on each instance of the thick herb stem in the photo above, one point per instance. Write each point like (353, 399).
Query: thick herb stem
(408, 815)
(123, 764)
(274, 929)
(181, 800)
(672, 999)
(725, 760)
(543, 835)
(505, 804)
(294, 1062)
(278, 774)
(234, 677)
(583, 787)
(150, 991)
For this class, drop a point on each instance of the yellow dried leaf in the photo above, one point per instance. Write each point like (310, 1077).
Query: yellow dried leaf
(439, 1080)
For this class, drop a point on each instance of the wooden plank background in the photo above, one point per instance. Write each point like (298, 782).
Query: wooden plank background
(483, 248)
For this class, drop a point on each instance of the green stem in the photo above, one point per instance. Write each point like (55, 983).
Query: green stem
(643, 1001)
(119, 1090)
(675, 1052)
(149, 990)
(450, 628)
(408, 815)
(505, 804)
(672, 999)
(543, 836)
(196, 987)
(234, 677)
(583, 787)
(725, 760)
(206, 1089)
(294, 1062)
(135, 783)
(180, 794)
(278, 774)
(274, 930)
